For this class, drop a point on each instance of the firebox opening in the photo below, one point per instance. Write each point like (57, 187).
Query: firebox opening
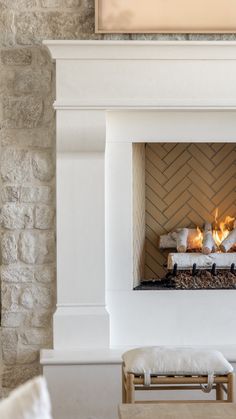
(184, 212)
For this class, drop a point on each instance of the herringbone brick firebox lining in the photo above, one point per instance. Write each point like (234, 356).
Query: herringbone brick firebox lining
(185, 183)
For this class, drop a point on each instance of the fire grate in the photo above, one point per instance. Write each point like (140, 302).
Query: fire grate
(195, 279)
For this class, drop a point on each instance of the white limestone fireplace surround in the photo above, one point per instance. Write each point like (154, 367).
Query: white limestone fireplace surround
(110, 94)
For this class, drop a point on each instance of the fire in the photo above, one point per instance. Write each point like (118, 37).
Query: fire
(222, 229)
(198, 239)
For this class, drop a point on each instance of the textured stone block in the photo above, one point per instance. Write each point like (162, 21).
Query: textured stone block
(11, 193)
(44, 216)
(45, 274)
(16, 56)
(9, 248)
(43, 166)
(37, 137)
(16, 297)
(18, 274)
(37, 336)
(15, 165)
(21, 297)
(10, 294)
(34, 27)
(29, 81)
(40, 318)
(22, 112)
(7, 37)
(25, 4)
(17, 216)
(28, 247)
(26, 298)
(211, 37)
(15, 375)
(4, 392)
(42, 58)
(36, 247)
(87, 21)
(60, 3)
(27, 354)
(43, 297)
(20, 4)
(9, 345)
(12, 319)
(49, 112)
(159, 37)
(37, 194)
(6, 81)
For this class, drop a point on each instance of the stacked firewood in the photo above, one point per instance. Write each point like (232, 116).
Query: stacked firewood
(203, 242)
(187, 239)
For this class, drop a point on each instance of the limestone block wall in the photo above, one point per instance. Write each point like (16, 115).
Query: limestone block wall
(27, 171)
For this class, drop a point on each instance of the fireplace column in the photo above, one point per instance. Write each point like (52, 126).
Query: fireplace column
(81, 319)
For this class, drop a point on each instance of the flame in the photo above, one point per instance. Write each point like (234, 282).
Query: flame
(198, 239)
(222, 229)
(216, 215)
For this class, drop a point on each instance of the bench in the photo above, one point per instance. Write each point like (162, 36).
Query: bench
(168, 368)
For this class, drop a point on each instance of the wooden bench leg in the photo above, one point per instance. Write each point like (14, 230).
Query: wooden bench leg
(230, 388)
(219, 392)
(130, 398)
(123, 386)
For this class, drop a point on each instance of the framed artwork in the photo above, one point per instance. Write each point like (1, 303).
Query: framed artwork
(165, 16)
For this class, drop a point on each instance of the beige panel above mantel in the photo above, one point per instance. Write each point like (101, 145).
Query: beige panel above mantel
(158, 16)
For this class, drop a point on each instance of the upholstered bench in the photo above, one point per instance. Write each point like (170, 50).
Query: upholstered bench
(168, 368)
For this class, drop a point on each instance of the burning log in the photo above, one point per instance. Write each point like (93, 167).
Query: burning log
(208, 244)
(182, 240)
(187, 260)
(229, 241)
(169, 241)
(207, 226)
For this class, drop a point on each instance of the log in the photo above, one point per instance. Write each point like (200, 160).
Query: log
(182, 240)
(169, 241)
(208, 243)
(207, 226)
(186, 260)
(229, 242)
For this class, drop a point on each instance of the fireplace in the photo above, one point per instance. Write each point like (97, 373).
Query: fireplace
(112, 99)
(184, 201)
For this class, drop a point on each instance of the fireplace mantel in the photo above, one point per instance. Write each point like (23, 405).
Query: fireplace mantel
(110, 94)
(139, 74)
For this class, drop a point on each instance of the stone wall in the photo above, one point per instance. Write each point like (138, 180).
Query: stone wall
(27, 182)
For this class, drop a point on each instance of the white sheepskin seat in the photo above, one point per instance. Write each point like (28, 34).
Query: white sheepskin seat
(29, 401)
(175, 361)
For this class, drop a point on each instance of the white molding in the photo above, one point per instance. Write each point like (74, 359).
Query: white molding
(81, 326)
(170, 104)
(142, 50)
(110, 356)
(80, 305)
